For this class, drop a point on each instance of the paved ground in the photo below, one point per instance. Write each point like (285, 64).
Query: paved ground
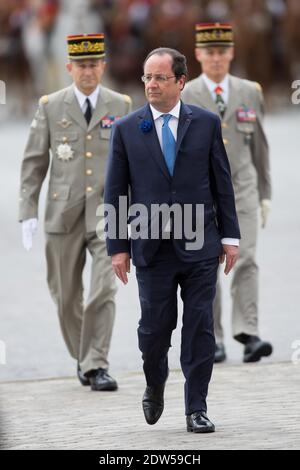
(29, 326)
(252, 406)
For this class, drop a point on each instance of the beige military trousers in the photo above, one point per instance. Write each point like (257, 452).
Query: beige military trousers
(244, 285)
(86, 330)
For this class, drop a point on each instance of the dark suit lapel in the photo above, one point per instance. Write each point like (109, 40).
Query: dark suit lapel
(183, 124)
(151, 141)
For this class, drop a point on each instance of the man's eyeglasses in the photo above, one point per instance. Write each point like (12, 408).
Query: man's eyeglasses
(159, 78)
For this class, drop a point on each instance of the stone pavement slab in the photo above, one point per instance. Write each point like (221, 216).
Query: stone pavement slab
(254, 406)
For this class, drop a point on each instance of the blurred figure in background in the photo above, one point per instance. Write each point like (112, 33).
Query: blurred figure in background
(267, 29)
(72, 17)
(172, 24)
(37, 33)
(14, 66)
(253, 33)
(75, 124)
(239, 104)
(291, 29)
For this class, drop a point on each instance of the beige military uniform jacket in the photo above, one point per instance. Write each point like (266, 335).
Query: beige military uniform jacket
(243, 136)
(76, 153)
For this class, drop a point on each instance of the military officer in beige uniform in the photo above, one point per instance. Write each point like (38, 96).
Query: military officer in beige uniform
(240, 106)
(75, 124)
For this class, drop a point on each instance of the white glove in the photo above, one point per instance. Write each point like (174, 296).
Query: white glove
(29, 227)
(265, 206)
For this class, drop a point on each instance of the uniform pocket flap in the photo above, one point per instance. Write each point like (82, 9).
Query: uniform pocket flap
(59, 192)
(246, 127)
(66, 136)
(105, 133)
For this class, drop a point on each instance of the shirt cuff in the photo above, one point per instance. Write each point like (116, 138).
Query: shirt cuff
(230, 241)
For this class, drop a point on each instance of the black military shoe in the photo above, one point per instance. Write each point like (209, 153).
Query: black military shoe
(255, 349)
(100, 381)
(199, 422)
(153, 403)
(220, 353)
(82, 378)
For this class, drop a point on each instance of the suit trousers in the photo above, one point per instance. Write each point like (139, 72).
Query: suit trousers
(86, 330)
(158, 283)
(244, 284)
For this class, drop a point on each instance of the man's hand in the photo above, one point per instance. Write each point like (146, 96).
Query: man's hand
(231, 254)
(29, 227)
(121, 265)
(265, 206)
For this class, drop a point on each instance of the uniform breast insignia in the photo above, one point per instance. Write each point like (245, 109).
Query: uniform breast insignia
(64, 123)
(245, 114)
(108, 121)
(64, 152)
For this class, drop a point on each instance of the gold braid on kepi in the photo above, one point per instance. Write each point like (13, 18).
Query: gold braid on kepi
(86, 46)
(214, 34)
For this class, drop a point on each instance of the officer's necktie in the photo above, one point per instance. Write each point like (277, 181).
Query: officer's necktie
(168, 143)
(219, 101)
(88, 112)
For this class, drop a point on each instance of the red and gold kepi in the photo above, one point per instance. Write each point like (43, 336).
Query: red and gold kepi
(214, 34)
(86, 46)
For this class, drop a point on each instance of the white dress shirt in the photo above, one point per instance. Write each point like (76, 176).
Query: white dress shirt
(81, 97)
(159, 120)
(224, 84)
(173, 125)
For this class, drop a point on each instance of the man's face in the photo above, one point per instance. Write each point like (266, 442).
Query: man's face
(86, 73)
(163, 95)
(215, 61)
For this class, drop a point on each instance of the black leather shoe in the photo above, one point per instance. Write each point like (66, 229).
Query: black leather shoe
(243, 338)
(82, 378)
(220, 353)
(199, 422)
(101, 381)
(255, 349)
(153, 403)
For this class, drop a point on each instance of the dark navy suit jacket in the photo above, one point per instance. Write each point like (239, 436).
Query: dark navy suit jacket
(201, 176)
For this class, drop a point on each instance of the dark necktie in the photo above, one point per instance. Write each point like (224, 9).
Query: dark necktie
(219, 101)
(88, 112)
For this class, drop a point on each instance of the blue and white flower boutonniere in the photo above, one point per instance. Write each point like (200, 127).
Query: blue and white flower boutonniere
(146, 126)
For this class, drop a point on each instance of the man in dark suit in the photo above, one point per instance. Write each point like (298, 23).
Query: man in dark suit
(169, 153)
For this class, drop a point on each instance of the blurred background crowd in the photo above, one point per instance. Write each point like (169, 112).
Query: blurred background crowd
(33, 46)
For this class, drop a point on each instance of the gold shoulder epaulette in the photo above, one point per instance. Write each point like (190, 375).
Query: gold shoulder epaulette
(44, 99)
(258, 86)
(127, 99)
